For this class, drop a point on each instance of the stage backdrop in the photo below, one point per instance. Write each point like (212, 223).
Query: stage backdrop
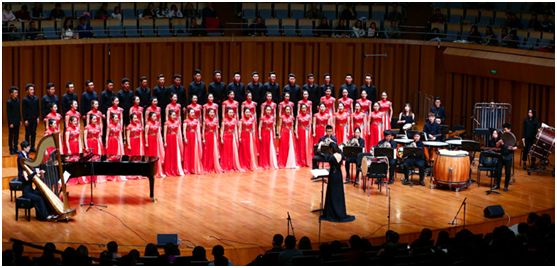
(407, 70)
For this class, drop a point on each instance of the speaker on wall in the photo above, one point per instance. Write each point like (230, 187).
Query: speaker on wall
(495, 211)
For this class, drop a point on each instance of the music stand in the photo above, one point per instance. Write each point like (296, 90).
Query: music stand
(413, 152)
(320, 174)
(90, 157)
(351, 151)
(382, 151)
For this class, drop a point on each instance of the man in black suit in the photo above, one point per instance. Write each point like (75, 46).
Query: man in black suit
(218, 89)
(507, 153)
(438, 110)
(86, 98)
(28, 191)
(48, 99)
(14, 119)
(350, 86)
(432, 129)
(327, 83)
(177, 88)
(197, 87)
(294, 90)
(68, 98)
(256, 89)
(238, 87)
(143, 92)
(360, 143)
(417, 160)
(314, 92)
(126, 96)
(273, 87)
(162, 94)
(30, 105)
(106, 102)
(319, 157)
(369, 88)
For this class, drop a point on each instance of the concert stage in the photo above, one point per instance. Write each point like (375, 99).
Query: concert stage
(242, 211)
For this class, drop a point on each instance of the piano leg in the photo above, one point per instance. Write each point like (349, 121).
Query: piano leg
(152, 188)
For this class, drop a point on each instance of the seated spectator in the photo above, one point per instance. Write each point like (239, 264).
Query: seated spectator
(372, 31)
(218, 257)
(342, 29)
(312, 12)
(13, 33)
(48, 258)
(57, 12)
(474, 35)
(348, 12)
(391, 29)
(171, 251)
(69, 257)
(199, 254)
(131, 259)
(258, 27)
(436, 35)
(151, 250)
(323, 29)
(442, 243)
(33, 33)
(391, 245)
(190, 12)
(67, 30)
(37, 11)
(277, 243)
(437, 16)
(105, 258)
(102, 13)
(174, 12)
(513, 21)
(510, 40)
(84, 29)
(162, 11)
(7, 14)
(304, 244)
(195, 28)
(358, 29)
(547, 24)
(23, 13)
(117, 13)
(208, 11)
(490, 38)
(83, 258)
(148, 12)
(290, 251)
(112, 248)
(424, 243)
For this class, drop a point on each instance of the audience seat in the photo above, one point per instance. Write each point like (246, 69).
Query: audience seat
(147, 27)
(289, 27)
(273, 28)
(281, 10)
(128, 10)
(486, 17)
(265, 10)
(362, 11)
(48, 27)
(99, 29)
(163, 27)
(297, 10)
(456, 15)
(79, 9)
(130, 28)
(179, 26)
(114, 28)
(306, 27)
(378, 12)
(329, 11)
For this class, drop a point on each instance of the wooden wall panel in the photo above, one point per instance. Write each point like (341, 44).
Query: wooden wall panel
(409, 72)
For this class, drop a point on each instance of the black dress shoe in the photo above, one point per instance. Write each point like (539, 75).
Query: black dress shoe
(422, 183)
(347, 182)
(506, 189)
(495, 187)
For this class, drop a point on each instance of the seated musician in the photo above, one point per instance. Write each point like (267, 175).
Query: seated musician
(28, 191)
(415, 161)
(388, 142)
(356, 140)
(318, 157)
(432, 129)
(507, 152)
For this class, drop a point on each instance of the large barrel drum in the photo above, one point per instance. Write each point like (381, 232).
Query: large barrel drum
(451, 168)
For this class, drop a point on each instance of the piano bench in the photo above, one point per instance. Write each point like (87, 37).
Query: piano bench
(15, 185)
(24, 203)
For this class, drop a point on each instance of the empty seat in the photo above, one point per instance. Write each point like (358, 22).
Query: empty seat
(265, 10)
(67, 8)
(273, 28)
(162, 26)
(306, 27)
(297, 11)
(98, 28)
(471, 15)
(486, 16)
(378, 12)
(281, 10)
(289, 27)
(114, 28)
(329, 11)
(179, 26)
(48, 27)
(130, 28)
(500, 18)
(362, 11)
(248, 10)
(453, 32)
(456, 15)
(128, 10)
(147, 27)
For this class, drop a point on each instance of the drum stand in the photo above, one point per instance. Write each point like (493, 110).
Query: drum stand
(492, 177)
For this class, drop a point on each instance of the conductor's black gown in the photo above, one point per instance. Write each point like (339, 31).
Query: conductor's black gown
(335, 207)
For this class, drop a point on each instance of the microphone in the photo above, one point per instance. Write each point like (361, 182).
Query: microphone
(288, 215)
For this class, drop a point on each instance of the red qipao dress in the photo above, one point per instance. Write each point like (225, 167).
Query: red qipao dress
(251, 105)
(365, 104)
(210, 105)
(114, 143)
(196, 109)
(321, 121)
(308, 104)
(192, 147)
(153, 109)
(329, 103)
(137, 110)
(347, 104)
(230, 159)
(115, 110)
(98, 113)
(73, 148)
(342, 128)
(304, 144)
(136, 140)
(248, 145)
(271, 104)
(211, 155)
(376, 128)
(174, 148)
(94, 143)
(230, 104)
(358, 119)
(385, 107)
(75, 113)
(267, 151)
(49, 150)
(287, 151)
(282, 105)
(176, 107)
(154, 145)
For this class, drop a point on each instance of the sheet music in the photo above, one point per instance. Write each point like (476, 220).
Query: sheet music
(319, 173)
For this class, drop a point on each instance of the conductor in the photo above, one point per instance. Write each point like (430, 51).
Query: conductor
(335, 207)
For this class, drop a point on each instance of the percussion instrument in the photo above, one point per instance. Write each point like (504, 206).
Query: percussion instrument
(546, 138)
(490, 115)
(407, 126)
(454, 142)
(435, 144)
(451, 168)
(403, 141)
(508, 139)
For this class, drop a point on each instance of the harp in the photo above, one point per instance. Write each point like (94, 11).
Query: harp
(48, 184)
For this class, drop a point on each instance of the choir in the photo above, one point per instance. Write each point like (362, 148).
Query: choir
(252, 128)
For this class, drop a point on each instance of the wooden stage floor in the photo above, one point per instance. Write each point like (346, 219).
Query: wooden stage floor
(242, 211)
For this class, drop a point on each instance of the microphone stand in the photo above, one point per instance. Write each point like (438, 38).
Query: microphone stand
(91, 203)
(289, 225)
(453, 221)
(389, 208)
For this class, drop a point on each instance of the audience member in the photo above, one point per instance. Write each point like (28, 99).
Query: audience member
(112, 248)
(148, 12)
(7, 14)
(437, 16)
(290, 251)
(372, 31)
(258, 27)
(312, 11)
(23, 13)
(67, 30)
(151, 250)
(218, 257)
(323, 29)
(304, 244)
(358, 29)
(37, 11)
(490, 38)
(117, 13)
(57, 12)
(102, 13)
(474, 35)
(348, 12)
(84, 29)
(199, 254)
(174, 12)
(342, 29)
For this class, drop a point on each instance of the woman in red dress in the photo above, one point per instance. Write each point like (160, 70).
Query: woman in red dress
(196, 108)
(305, 100)
(329, 101)
(153, 108)
(387, 109)
(269, 102)
(230, 159)
(342, 124)
(211, 155)
(134, 134)
(95, 110)
(365, 103)
(267, 151)
(93, 142)
(285, 103)
(230, 103)
(210, 105)
(304, 138)
(114, 109)
(376, 125)
(73, 137)
(53, 115)
(347, 101)
(359, 120)
(72, 112)
(248, 145)
(114, 141)
(251, 105)
(193, 150)
(173, 145)
(320, 120)
(153, 141)
(137, 110)
(52, 128)
(174, 106)
(287, 151)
